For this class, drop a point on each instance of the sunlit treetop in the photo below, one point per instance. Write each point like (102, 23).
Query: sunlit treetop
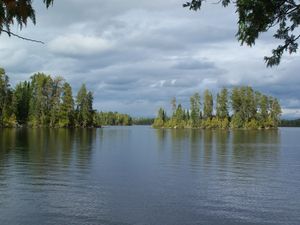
(258, 16)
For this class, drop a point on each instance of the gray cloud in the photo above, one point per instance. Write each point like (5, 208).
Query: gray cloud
(136, 55)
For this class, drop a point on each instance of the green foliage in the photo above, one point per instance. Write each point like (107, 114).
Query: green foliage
(66, 112)
(263, 105)
(40, 102)
(256, 17)
(158, 123)
(195, 109)
(48, 102)
(290, 123)
(244, 105)
(22, 96)
(161, 118)
(222, 104)
(7, 103)
(208, 105)
(55, 101)
(84, 111)
(112, 119)
(252, 124)
(250, 110)
(17, 12)
(143, 121)
(237, 121)
(275, 111)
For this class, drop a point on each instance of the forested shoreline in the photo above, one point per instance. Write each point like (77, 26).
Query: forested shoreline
(45, 101)
(290, 123)
(242, 107)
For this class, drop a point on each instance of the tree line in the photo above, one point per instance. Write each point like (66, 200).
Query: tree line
(45, 101)
(242, 107)
(113, 119)
(290, 123)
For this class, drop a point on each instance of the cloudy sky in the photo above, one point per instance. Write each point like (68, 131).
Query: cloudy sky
(136, 55)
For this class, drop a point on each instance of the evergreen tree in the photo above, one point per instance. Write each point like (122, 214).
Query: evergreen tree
(207, 105)
(195, 110)
(22, 96)
(162, 114)
(7, 116)
(4, 86)
(263, 109)
(55, 101)
(160, 119)
(236, 101)
(66, 113)
(174, 105)
(275, 111)
(222, 104)
(250, 110)
(40, 103)
(250, 104)
(84, 109)
(90, 110)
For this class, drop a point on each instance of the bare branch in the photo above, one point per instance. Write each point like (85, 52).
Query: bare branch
(21, 37)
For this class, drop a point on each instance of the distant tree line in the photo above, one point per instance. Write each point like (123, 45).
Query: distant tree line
(143, 121)
(290, 123)
(113, 119)
(242, 107)
(48, 102)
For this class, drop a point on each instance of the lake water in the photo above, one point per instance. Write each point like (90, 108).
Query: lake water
(142, 176)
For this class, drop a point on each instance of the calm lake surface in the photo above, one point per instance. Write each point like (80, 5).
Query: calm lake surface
(142, 176)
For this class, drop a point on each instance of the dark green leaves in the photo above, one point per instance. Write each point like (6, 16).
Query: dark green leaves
(17, 12)
(258, 16)
(48, 2)
(193, 5)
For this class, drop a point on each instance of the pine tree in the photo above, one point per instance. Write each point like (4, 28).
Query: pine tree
(160, 119)
(275, 111)
(55, 101)
(195, 110)
(7, 116)
(4, 86)
(222, 104)
(40, 103)
(84, 109)
(66, 112)
(22, 96)
(207, 105)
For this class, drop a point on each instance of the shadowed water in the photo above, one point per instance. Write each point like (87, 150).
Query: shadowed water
(143, 176)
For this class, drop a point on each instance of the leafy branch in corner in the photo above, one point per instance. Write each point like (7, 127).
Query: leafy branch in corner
(18, 12)
(256, 17)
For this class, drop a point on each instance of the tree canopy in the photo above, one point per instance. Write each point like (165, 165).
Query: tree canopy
(47, 101)
(256, 17)
(242, 107)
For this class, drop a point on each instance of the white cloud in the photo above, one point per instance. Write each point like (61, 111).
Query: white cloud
(77, 44)
(291, 113)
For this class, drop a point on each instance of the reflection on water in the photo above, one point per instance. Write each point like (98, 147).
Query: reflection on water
(138, 175)
(47, 146)
(221, 146)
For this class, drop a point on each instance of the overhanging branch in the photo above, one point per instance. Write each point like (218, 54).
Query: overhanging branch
(21, 37)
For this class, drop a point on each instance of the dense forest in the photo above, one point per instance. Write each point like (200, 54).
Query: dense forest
(48, 102)
(242, 107)
(143, 121)
(290, 123)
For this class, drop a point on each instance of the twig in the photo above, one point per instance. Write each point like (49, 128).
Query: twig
(21, 37)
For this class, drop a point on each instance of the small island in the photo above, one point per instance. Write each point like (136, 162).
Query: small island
(240, 107)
